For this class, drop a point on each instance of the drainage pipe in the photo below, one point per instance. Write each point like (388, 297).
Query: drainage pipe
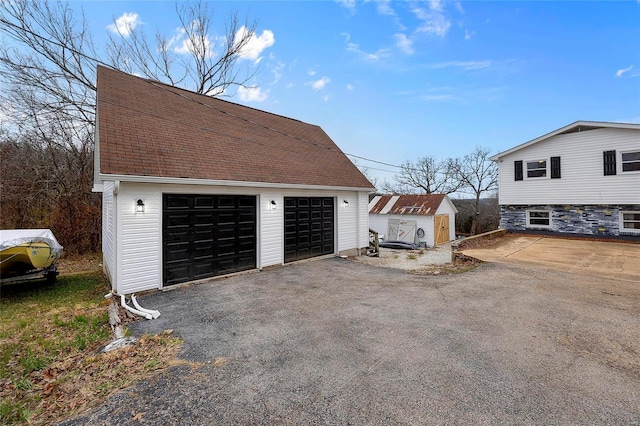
(154, 313)
(135, 311)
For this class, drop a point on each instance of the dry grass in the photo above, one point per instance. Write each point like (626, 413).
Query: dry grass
(50, 367)
(447, 269)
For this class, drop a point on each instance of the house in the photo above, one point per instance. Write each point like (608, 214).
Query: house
(428, 219)
(195, 187)
(581, 179)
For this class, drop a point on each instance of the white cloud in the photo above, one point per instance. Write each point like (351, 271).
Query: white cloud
(124, 24)
(277, 72)
(289, 85)
(403, 43)
(468, 34)
(375, 56)
(252, 94)
(438, 98)
(465, 65)
(346, 36)
(349, 4)
(184, 45)
(325, 98)
(621, 71)
(255, 45)
(312, 72)
(350, 87)
(319, 84)
(384, 8)
(435, 5)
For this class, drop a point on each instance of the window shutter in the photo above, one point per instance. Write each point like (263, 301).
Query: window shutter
(609, 163)
(555, 167)
(517, 165)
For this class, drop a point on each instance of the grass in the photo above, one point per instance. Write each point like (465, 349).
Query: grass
(49, 337)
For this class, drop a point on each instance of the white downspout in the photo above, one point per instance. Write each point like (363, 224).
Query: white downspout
(154, 313)
(135, 311)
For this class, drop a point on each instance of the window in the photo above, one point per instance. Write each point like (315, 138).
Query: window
(539, 218)
(631, 161)
(630, 221)
(536, 169)
(555, 167)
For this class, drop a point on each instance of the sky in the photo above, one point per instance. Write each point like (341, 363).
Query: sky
(397, 81)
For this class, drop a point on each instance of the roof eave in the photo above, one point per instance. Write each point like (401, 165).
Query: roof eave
(601, 124)
(211, 182)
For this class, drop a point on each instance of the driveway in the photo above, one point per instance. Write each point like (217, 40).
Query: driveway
(587, 257)
(339, 342)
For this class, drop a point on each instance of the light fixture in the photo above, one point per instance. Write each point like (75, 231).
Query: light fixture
(345, 204)
(272, 204)
(140, 206)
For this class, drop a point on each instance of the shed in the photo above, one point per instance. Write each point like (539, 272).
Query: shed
(428, 219)
(195, 187)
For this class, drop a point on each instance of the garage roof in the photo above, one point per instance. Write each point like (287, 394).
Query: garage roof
(147, 128)
(423, 204)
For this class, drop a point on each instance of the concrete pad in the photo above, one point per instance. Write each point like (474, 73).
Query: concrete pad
(615, 260)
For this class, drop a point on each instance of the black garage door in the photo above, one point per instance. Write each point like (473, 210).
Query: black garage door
(308, 227)
(207, 235)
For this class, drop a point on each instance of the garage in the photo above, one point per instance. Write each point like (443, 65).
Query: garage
(207, 235)
(308, 227)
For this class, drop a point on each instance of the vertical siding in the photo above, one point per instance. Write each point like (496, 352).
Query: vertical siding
(447, 207)
(139, 240)
(379, 223)
(108, 232)
(583, 180)
(271, 238)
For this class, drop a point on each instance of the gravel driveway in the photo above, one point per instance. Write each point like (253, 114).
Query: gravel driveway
(339, 342)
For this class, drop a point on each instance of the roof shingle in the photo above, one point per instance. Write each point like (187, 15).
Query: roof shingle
(148, 128)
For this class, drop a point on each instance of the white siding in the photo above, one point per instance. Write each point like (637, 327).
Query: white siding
(271, 242)
(139, 242)
(380, 224)
(108, 233)
(582, 180)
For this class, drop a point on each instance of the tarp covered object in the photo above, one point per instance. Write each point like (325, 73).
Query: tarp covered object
(15, 237)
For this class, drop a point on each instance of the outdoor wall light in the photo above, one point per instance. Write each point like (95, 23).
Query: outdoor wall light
(140, 206)
(345, 204)
(272, 204)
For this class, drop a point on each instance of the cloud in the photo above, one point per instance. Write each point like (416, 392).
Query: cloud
(319, 84)
(312, 72)
(468, 34)
(125, 24)
(435, 5)
(277, 72)
(433, 18)
(403, 43)
(184, 45)
(252, 94)
(375, 56)
(325, 98)
(350, 87)
(438, 98)
(349, 4)
(384, 8)
(465, 65)
(620, 72)
(256, 44)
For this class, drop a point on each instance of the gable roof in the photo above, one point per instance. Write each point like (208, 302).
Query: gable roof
(423, 204)
(147, 128)
(578, 126)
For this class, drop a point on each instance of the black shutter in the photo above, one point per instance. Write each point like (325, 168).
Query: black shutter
(517, 165)
(609, 163)
(555, 167)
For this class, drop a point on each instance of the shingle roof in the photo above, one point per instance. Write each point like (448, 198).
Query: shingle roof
(424, 204)
(148, 128)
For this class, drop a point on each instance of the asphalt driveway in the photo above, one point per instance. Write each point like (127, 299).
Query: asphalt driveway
(339, 342)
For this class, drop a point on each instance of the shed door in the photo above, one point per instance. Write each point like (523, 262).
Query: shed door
(441, 231)
(308, 227)
(207, 235)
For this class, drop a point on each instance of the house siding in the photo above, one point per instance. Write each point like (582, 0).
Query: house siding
(582, 181)
(108, 232)
(380, 224)
(139, 248)
(573, 219)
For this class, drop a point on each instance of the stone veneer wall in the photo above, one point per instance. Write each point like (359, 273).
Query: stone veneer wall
(574, 219)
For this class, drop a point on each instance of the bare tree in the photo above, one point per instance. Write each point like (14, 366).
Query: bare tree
(211, 65)
(427, 175)
(477, 174)
(48, 73)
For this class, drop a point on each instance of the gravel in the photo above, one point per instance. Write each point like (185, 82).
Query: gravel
(335, 341)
